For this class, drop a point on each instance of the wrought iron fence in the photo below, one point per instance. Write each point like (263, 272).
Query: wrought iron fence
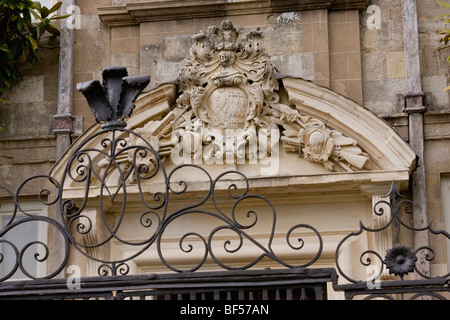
(125, 156)
(400, 260)
(256, 285)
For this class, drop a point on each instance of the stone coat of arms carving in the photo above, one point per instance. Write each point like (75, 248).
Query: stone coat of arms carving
(228, 110)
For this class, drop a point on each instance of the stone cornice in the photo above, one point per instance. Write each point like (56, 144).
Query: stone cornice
(135, 13)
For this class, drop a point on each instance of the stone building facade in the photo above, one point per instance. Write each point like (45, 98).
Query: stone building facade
(342, 50)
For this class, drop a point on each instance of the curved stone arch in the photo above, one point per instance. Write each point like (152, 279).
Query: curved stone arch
(388, 151)
(385, 147)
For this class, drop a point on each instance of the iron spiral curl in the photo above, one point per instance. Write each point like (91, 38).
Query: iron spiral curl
(228, 229)
(399, 260)
(125, 160)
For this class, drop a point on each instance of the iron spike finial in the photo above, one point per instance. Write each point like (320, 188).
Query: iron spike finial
(113, 100)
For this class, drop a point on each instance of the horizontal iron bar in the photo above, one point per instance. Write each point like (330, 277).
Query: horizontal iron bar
(183, 281)
(362, 285)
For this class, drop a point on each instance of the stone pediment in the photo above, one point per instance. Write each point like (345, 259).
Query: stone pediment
(231, 110)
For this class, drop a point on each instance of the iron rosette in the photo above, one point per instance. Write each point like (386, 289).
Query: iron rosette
(399, 260)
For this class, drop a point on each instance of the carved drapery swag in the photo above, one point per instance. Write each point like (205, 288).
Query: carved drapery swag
(229, 110)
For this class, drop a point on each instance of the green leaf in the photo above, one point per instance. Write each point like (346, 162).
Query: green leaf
(6, 81)
(55, 7)
(24, 27)
(35, 57)
(443, 4)
(33, 42)
(4, 48)
(27, 17)
(49, 47)
(53, 30)
(36, 5)
(36, 16)
(8, 71)
(14, 49)
(44, 12)
(20, 25)
(61, 17)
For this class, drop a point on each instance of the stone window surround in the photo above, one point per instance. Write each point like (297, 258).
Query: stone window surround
(135, 13)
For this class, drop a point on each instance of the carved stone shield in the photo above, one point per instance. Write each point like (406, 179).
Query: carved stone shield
(228, 108)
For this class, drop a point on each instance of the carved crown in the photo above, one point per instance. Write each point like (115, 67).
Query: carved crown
(227, 77)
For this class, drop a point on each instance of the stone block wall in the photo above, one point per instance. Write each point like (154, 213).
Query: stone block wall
(383, 58)
(27, 144)
(345, 54)
(434, 66)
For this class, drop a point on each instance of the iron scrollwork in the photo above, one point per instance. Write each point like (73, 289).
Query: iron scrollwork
(156, 214)
(400, 260)
(115, 184)
(126, 160)
(38, 249)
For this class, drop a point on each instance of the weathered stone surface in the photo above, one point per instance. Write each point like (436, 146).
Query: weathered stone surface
(30, 89)
(126, 13)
